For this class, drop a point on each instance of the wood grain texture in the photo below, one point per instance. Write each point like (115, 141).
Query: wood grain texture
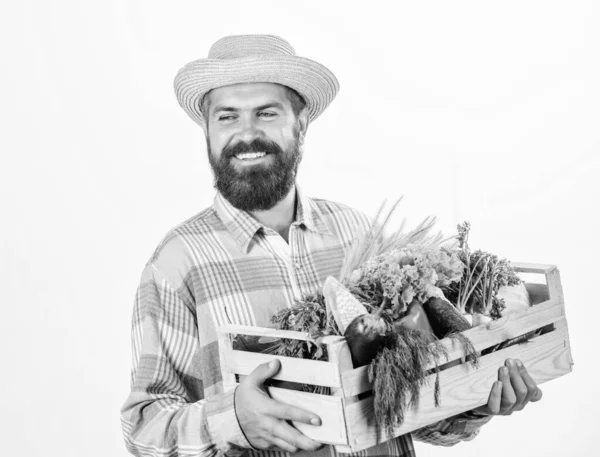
(339, 353)
(348, 423)
(555, 289)
(262, 331)
(292, 369)
(524, 267)
(356, 381)
(225, 344)
(329, 408)
(463, 388)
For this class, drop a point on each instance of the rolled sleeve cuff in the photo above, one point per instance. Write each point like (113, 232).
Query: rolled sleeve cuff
(472, 425)
(223, 424)
(451, 431)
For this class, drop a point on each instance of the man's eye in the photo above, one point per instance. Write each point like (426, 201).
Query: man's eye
(266, 114)
(226, 117)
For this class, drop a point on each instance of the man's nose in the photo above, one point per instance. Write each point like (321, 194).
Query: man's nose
(249, 129)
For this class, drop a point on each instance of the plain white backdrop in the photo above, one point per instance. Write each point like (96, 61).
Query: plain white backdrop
(481, 111)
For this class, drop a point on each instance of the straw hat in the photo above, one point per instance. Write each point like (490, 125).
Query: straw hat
(254, 58)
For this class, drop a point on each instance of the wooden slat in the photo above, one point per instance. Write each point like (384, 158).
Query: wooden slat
(538, 293)
(524, 267)
(463, 388)
(554, 285)
(355, 381)
(292, 369)
(263, 331)
(339, 352)
(507, 327)
(329, 408)
(332, 339)
(225, 344)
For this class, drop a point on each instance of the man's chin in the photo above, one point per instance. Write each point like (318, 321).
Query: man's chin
(251, 193)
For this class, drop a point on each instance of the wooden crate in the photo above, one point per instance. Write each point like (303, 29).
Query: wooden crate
(348, 422)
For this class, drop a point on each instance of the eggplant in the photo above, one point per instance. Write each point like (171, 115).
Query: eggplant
(365, 335)
(444, 318)
(364, 332)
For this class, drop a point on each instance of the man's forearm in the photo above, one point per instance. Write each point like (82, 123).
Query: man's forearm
(155, 425)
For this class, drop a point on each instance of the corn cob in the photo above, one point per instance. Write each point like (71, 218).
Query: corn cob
(344, 306)
(364, 332)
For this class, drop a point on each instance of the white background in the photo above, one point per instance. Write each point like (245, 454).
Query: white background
(481, 111)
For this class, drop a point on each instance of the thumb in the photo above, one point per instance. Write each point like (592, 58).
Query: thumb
(263, 372)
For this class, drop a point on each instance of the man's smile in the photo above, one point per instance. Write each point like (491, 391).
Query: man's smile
(250, 155)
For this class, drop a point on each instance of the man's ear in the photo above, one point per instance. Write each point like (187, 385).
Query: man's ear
(303, 122)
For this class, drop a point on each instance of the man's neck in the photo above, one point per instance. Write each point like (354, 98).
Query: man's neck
(281, 216)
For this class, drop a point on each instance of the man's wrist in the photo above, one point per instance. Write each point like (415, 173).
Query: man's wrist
(223, 424)
(238, 419)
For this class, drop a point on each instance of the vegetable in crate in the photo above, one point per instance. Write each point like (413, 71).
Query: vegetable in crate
(486, 280)
(377, 304)
(395, 296)
(364, 332)
(444, 318)
(476, 294)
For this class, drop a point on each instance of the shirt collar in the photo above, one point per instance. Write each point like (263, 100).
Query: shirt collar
(308, 214)
(243, 227)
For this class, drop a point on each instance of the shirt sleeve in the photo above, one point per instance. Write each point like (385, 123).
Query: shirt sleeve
(166, 413)
(448, 432)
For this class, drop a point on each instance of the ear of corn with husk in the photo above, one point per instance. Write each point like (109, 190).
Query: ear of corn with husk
(344, 306)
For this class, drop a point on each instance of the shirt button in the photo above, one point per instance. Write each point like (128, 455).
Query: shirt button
(298, 266)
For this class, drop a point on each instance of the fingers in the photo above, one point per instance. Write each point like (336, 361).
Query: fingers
(279, 434)
(495, 399)
(534, 393)
(523, 385)
(509, 397)
(522, 394)
(274, 408)
(263, 372)
(517, 389)
(283, 445)
(291, 413)
(512, 391)
(263, 419)
(293, 439)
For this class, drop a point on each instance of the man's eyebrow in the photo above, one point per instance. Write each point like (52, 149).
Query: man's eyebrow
(219, 108)
(224, 108)
(270, 105)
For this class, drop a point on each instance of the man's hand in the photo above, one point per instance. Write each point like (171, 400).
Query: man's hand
(263, 420)
(513, 390)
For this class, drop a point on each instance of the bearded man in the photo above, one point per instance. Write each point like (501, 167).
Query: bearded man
(262, 244)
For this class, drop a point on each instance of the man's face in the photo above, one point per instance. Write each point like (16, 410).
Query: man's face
(254, 143)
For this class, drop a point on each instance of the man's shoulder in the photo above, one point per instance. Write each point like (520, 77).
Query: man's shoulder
(336, 210)
(341, 219)
(177, 240)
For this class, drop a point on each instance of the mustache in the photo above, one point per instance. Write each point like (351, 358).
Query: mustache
(256, 145)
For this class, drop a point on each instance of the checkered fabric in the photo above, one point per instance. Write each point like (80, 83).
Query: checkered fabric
(222, 266)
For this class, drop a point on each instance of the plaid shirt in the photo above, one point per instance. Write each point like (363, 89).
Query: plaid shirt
(223, 266)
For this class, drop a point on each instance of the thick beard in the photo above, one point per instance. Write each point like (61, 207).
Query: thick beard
(258, 188)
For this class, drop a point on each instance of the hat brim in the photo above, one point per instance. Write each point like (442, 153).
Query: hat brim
(313, 81)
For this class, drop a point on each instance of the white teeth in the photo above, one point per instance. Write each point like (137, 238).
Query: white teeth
(250, 155)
